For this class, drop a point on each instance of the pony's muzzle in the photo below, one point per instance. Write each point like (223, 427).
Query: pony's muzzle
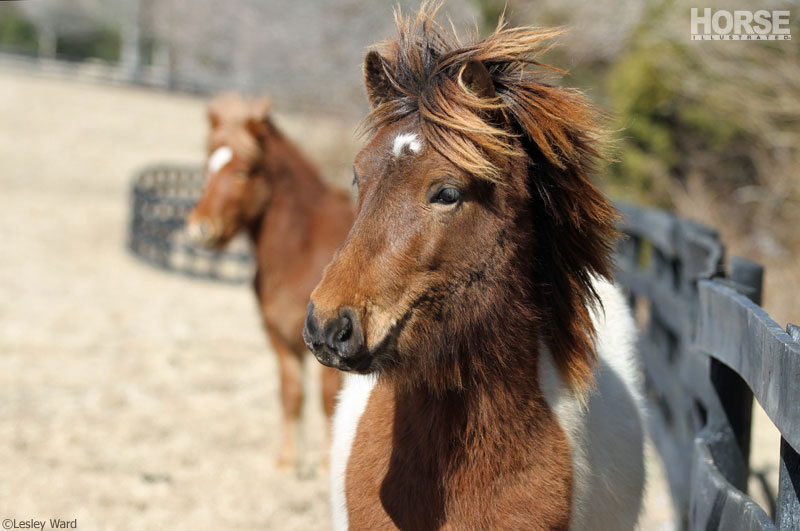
(202, 232)
(337, 343)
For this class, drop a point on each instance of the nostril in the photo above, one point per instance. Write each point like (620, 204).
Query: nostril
(343, 334)
(346, 331)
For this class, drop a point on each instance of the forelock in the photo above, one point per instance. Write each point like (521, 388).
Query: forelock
(424, 63)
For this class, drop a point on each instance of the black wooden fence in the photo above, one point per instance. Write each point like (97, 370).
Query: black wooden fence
(708, 349)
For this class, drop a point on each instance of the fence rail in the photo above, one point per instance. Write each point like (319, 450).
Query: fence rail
(708, 350)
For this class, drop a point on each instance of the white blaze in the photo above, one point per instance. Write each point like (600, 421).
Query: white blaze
(219, 159)
(405, 139)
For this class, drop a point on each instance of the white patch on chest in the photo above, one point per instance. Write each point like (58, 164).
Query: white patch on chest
(606, 431)
(404, 140)
(219, 159)
(350, 406)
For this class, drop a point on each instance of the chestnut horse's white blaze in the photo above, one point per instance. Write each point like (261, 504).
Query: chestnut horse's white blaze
(219, 158)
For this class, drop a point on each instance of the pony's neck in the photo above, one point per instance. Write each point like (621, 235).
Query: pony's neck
(498, 378)
(492, 336)
(467, 444)
(286, 164)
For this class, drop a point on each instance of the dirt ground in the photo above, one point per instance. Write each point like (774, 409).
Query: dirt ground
(132, 398)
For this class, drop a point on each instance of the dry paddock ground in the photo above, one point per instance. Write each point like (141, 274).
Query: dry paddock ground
(132, 398)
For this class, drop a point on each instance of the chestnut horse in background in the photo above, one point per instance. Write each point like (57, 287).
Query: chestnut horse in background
(493, 382)
(259, 182)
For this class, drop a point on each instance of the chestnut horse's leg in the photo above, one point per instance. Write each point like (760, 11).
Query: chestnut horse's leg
(291, 371)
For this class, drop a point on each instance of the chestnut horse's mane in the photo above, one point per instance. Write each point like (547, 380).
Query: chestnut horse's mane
(555, 129)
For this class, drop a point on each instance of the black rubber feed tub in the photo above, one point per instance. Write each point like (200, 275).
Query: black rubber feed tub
(161, 198)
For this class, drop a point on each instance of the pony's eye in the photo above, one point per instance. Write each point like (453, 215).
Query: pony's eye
(356, 179)
(446, 195)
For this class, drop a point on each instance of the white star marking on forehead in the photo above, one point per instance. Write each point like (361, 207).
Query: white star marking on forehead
(404, 140)
(219, 158)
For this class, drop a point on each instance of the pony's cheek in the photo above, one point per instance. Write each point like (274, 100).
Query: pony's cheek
(380, 325)
(391, 315)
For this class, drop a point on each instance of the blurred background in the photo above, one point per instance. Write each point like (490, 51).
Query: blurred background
(131, 398)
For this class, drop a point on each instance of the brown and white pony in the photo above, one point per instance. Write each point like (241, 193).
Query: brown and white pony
(259, 182)
(492, 378)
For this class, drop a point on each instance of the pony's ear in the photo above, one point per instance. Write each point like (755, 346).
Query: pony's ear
(258, 117)
(379, 87)
(476, 78)
(213, 117)
(261, 107)
(222, 107)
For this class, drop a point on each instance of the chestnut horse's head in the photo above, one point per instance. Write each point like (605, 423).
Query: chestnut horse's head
(236, 190)
(477, 227)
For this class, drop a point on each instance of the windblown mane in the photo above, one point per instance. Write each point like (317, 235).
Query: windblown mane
(555, 129)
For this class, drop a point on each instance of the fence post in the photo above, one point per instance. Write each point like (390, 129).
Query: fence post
(788, 503)
(734, 394)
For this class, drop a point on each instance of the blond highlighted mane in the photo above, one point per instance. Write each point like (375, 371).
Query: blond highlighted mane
(424, 63)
